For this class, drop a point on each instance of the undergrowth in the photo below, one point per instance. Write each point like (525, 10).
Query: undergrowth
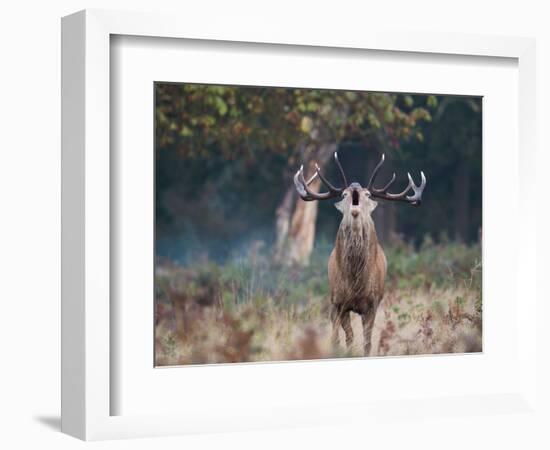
(248, 309)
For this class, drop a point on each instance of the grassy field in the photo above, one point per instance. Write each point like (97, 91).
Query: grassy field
(249, 310)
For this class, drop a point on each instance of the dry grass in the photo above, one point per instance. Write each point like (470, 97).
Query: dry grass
(216, 314)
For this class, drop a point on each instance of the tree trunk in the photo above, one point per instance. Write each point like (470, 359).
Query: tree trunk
(301, 235)
(296, 220)
(461, 200)
(282, 223)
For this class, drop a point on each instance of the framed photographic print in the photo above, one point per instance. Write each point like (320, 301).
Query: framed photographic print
(304, 237)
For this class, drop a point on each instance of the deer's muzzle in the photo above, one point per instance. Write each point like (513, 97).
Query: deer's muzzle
(355, 198)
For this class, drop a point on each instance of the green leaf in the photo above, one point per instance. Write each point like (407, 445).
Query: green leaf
(221, 106)
(186, 131)
(312, 106)
(306, 124)
(373, 120)
(388, 114)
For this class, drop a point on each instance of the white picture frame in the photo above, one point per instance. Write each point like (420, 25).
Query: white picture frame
(87, 329)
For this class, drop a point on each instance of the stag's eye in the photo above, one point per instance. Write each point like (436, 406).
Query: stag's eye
(355, 198)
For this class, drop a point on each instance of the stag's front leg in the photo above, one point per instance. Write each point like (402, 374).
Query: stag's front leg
(341, 318)
(335, 319)
(368, 322)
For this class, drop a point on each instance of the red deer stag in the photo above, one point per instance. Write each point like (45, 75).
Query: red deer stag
(357, 264)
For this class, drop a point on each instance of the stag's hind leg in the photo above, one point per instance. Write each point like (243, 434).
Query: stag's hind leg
(346, 325)
(368, 322)
(335, 319)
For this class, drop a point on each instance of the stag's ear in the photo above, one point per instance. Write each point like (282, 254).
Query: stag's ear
(371, 205)
(340, 206)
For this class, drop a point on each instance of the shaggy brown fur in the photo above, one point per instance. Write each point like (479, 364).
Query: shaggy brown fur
(356, 267)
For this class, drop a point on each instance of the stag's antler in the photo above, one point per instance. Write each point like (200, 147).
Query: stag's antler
(307, 194)
(414, 199)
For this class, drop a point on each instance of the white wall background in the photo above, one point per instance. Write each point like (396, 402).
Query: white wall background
(30, 204)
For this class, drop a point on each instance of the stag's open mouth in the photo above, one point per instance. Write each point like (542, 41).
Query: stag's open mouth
(355, 198)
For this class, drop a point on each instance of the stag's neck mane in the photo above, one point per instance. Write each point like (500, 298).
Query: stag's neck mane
(355, 247)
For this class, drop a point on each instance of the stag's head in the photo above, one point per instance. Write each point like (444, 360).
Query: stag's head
(356, 205)
(356, 202)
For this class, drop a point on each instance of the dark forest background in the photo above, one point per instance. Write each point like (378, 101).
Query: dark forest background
(225, 156)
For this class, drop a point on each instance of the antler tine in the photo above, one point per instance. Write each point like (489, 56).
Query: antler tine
(307, 194)
(324, 180)
(414, 199)
(342, 174)
(401, 194)
(386, 187)
(311, 179)
(375, 171)
(301, 185)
